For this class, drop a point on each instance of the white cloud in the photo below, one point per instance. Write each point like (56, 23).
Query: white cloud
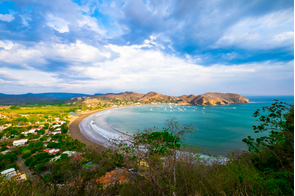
(6, 44)
(58, 24)
(91, 69)
(90, 23)
(265, 32)
(6, 17)
(36, 56)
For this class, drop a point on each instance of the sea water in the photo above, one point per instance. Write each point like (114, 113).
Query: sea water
(220, 128)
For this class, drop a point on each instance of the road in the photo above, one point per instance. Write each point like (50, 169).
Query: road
(25, 169)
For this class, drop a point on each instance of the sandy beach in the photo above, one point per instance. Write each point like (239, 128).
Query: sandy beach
(75, 133)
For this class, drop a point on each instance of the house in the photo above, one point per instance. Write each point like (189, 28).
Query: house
(76, 158)
(117, 175)
(52, 151)
(54, 126)
(9, 173)
(20, 142)
(70, 153)
(54, 132)
(32, 130)
(19, 176)
(2, 128)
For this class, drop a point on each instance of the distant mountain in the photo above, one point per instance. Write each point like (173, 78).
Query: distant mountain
(39, 98)
(121, 96)
(204, 99)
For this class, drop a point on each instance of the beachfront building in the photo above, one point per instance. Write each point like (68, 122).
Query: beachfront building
(20, 142)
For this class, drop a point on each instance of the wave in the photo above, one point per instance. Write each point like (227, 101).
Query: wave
(95, 133)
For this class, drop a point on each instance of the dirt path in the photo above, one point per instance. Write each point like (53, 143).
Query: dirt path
(25, 169)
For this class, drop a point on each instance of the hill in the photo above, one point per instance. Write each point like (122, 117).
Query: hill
(153, 97)
(212, 99)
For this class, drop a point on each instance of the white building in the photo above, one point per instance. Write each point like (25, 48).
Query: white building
(9, 173)
(20, 142)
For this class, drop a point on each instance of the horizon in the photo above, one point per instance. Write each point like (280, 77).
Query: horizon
(172, 47)
(142, 93)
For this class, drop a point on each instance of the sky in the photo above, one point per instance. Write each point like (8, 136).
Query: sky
(172, 47)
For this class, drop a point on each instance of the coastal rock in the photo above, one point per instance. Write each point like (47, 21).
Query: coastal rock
(216, 99)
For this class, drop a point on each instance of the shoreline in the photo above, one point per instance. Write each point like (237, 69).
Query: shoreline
(75, 131)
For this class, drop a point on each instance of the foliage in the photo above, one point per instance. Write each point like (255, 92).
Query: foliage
(7, 161)
(273, 155)
(275, 121)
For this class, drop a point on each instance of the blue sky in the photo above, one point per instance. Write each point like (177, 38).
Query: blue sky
(172, 47)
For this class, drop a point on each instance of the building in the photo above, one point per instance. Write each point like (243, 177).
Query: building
(20, 142)
(55, 132)
(9, 173)
(19, 176)
(52, 151)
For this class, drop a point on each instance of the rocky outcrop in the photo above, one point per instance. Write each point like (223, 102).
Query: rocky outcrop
(213, 99)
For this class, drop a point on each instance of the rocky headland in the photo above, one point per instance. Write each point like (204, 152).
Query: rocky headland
(210, 98)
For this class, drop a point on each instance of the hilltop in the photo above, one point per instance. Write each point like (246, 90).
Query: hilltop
(211, 98)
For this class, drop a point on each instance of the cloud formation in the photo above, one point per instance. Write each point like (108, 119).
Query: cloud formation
(106, 46)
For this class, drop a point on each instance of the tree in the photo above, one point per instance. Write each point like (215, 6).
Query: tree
(154, 153)
(273, 155)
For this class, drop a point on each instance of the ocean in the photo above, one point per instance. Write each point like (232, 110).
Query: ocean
(220, 129)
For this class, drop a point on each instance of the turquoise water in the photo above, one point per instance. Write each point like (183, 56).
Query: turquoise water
(220, 129)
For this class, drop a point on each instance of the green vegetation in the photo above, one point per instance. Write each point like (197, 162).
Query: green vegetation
(156, 162)
(8, 161)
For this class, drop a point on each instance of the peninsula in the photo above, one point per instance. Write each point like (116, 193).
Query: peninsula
(210, 98)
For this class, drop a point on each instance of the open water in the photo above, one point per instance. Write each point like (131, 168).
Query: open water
(220, 129)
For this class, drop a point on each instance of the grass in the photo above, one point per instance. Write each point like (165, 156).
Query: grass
(42, 110)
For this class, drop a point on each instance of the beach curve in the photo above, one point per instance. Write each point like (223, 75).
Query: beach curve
(79, 129)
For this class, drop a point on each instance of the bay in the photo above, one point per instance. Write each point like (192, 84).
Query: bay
(220, 129)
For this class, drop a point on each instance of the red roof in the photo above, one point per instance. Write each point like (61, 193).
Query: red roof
(46, 150)
(77, 158)
(55, 152)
